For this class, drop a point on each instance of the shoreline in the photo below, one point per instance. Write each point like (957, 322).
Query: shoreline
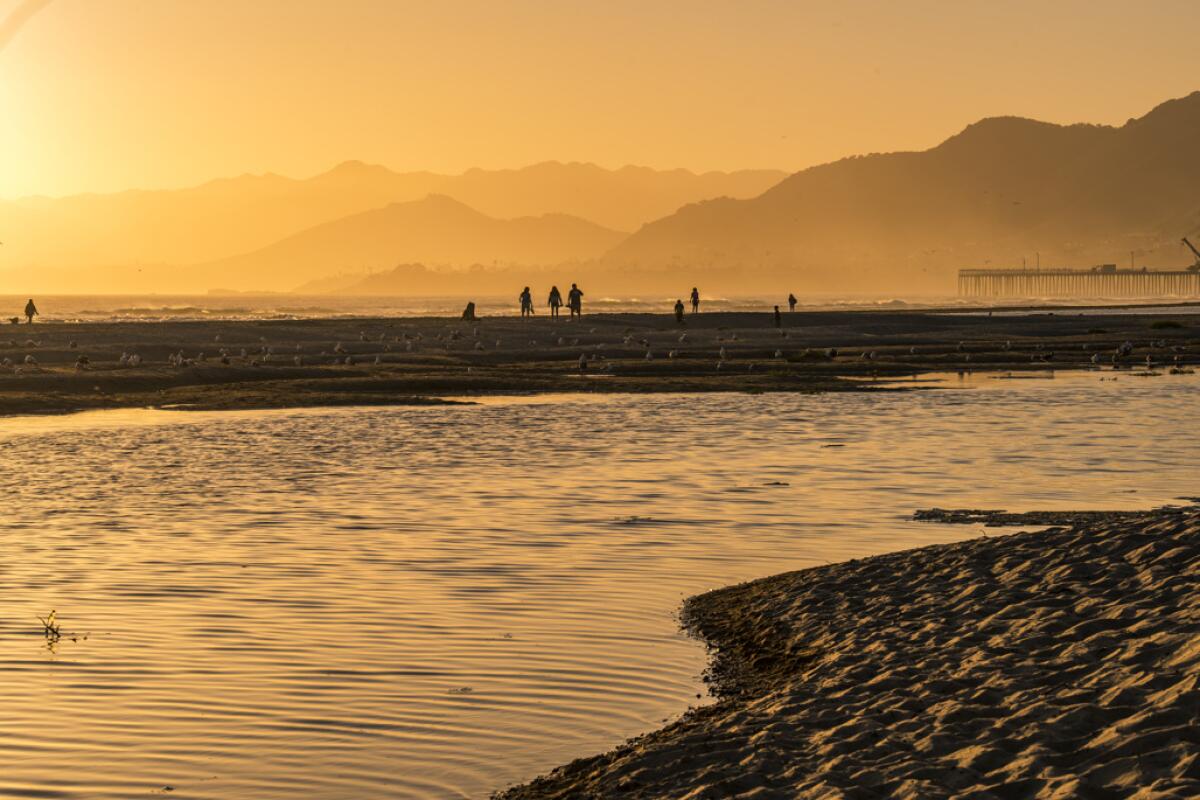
(1062, 662)
(222, 364)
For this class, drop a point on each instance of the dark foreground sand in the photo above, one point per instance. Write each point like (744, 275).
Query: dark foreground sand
(56, 367)
(1058, 664)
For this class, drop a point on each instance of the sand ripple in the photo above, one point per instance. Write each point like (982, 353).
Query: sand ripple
(1060, 664)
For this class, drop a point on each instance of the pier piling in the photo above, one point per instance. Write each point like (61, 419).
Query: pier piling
(1078, 283)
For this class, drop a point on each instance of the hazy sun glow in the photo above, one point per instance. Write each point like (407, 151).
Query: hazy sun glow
(153, 93)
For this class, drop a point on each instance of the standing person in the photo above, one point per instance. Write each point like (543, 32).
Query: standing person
(30, 311)
(695, 300)
(778, 318)
(575, 301)
(555, 301)
(526, 303)
(679, 311)
(791, 302)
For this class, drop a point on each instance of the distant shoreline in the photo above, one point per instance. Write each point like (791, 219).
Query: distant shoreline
(73, 309)
(247, 364)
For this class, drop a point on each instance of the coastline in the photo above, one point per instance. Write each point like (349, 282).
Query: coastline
(230, 364)
(1056, 663)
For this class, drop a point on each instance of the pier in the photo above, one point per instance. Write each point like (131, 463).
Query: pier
(1106, 281)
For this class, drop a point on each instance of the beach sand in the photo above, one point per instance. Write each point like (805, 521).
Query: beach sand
(1054, 664)
(291, 363)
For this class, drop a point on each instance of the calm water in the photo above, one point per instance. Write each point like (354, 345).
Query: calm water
(436, 602)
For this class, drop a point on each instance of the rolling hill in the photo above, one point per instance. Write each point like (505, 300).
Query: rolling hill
(437, 231)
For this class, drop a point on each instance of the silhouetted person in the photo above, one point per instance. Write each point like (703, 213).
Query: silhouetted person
(526, 303)
(679, 311)
(778, 318)
(791, 302)
(695, 300)
(575, 301)
(30, 311)
(555, 302)
(468, 314)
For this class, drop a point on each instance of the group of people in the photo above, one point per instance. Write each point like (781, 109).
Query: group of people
(574, 304)
(679, 307)
(555, 301)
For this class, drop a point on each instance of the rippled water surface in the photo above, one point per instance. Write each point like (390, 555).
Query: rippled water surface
(436, 602)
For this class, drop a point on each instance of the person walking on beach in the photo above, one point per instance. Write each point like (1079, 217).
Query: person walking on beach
(695, 300)
(526, 303)
(30, 311)
(555, 301)
(679, 311)
(778, 318)
(575, 301)
(791, 302)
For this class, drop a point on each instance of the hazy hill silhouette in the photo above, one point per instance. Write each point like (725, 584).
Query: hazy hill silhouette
(1001, 189)
(437, 230)
(475, 280)
(230, 216)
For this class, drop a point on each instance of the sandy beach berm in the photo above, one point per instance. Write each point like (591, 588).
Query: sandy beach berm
(1055, 664)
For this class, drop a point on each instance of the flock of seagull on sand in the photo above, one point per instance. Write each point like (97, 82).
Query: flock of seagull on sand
(592, 356)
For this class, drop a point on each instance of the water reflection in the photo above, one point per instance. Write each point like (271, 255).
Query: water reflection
(434, 602)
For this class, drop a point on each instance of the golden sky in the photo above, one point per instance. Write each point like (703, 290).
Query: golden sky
(101, 95)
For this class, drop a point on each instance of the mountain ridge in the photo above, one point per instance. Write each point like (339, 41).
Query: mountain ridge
(59, 239)
(1000, 189)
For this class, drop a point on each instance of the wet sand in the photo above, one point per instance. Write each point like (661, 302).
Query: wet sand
(1053, 664)
(295, 363)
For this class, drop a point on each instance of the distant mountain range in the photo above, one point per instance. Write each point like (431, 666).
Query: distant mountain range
(158, 235)
(1003, 189)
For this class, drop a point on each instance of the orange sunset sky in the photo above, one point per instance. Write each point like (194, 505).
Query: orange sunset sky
(102, 95)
